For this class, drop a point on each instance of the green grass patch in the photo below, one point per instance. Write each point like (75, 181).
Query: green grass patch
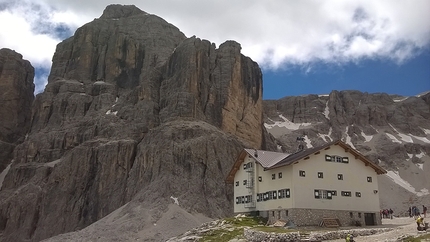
(246, 221)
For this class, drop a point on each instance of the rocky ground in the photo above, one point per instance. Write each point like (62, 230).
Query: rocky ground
(403, 227)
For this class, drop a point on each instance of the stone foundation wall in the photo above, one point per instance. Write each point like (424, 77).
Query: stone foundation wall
(257, 236)
(313, 217)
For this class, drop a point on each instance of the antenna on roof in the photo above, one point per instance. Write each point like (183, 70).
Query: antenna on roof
(301, 140)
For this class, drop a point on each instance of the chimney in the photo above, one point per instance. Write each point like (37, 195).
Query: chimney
(255, 153)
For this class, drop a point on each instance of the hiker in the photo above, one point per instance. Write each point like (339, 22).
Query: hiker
(349, 238)
(424, 211)
(391, 213)
(420, 221)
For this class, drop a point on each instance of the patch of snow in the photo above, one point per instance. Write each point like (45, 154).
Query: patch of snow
(53, 163)
(116, 99)
(322, 136)
(326, 111)
(420, 166)
(286, 124)
(394, 175)
(110, 112)
(426, 131)
(366, 137)
(374, 128)
(420, 155)
(406, 138)
(393, 138)
(422, 94)
(4, 173)
(348, 138)
(99, 82)
(400, 99)
(423, 139)
(175, 200)
(308, 142)
(323, 95)
(410, 155)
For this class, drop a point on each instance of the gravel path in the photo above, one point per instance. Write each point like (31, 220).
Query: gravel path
(403, 227)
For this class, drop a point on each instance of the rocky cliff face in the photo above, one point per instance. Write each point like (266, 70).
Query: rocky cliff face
(391, 130)
(16, 98)
(133, 111)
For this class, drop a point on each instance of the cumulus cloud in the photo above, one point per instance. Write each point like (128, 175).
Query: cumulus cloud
(274, 33)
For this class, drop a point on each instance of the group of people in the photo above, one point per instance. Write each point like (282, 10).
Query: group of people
(414, 211)
(387, 213)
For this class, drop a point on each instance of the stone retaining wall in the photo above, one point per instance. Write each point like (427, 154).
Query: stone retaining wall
(258, 236)
(312, 217)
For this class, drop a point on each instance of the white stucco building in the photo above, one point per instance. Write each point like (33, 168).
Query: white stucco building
(331, 181)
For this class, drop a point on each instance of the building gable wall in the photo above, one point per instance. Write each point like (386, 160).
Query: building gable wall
(355, 175)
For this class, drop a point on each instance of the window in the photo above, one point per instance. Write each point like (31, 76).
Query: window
(259, 197)
(274, 194)
(320, 175)
(334, 193)
(270, 195)
(273, 213)
(302, 173)
(322, 194)
(336, 158)
(283, 193)
(369, 179)
(245, 166)
(339, 176)
(280, 175)
(346, 193)
(359, 215)
(286, 212)
(244, 182)
(260, 179)
(350, 214)
(358, 194)
(237, 183)
(243, 199)
(273, 176)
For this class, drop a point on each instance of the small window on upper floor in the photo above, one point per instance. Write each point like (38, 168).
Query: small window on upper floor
(280, 175)
(358, 194)
(273, 176)
(244, 182)
(302, 173)
(346, 193)
(260, 179)
(237, 183)
(320, 175)
(340, 176)
(369, 179)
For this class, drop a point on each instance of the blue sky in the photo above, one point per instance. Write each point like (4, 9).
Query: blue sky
(302, 47)
(373, 76)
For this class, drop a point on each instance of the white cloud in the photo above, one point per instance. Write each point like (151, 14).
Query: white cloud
(273, 33)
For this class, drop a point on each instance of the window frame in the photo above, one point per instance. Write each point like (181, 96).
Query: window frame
(302, 173)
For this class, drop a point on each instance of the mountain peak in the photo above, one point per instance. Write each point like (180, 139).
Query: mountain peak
(120, 11)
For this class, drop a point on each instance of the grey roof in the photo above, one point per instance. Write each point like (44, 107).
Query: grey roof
(301, 154)
(267, 158)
